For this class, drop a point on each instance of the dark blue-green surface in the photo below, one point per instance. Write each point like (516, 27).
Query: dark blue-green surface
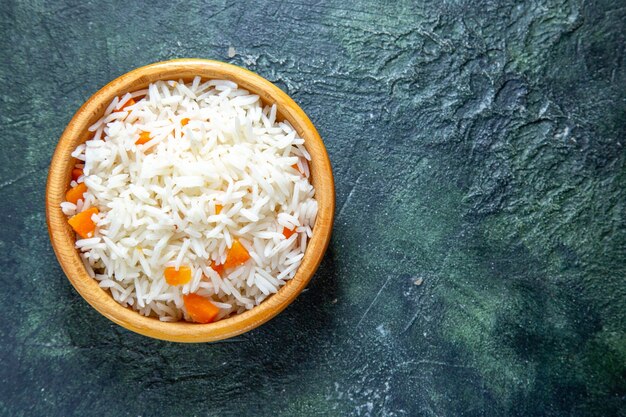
(478, 149)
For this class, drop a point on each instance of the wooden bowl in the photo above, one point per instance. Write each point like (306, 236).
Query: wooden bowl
(63, 238)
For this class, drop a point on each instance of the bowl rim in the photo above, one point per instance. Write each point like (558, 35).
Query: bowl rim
(63, 238)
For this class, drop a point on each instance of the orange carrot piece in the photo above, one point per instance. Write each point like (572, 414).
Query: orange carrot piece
(128, 103)
(76, 173)
(218, 268)
(200, 309)
(76, 193)
(288, 232)
(184, 121)
(236, 256)
(143, 138)
(82, 223)
(297, 168)
(218, 208)
(180, 277)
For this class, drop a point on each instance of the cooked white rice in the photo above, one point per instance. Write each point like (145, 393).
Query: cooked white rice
(157, 200)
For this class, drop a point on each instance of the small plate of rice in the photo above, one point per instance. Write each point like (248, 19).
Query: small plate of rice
(190, 200)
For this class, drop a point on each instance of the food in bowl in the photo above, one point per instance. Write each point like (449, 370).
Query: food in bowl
(191, 201)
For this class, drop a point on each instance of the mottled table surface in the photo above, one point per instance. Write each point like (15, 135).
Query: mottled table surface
(477, 265)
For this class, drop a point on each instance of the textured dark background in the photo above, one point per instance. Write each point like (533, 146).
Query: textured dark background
(478, 147)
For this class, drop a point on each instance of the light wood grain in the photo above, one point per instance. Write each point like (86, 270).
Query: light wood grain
(63, 238)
